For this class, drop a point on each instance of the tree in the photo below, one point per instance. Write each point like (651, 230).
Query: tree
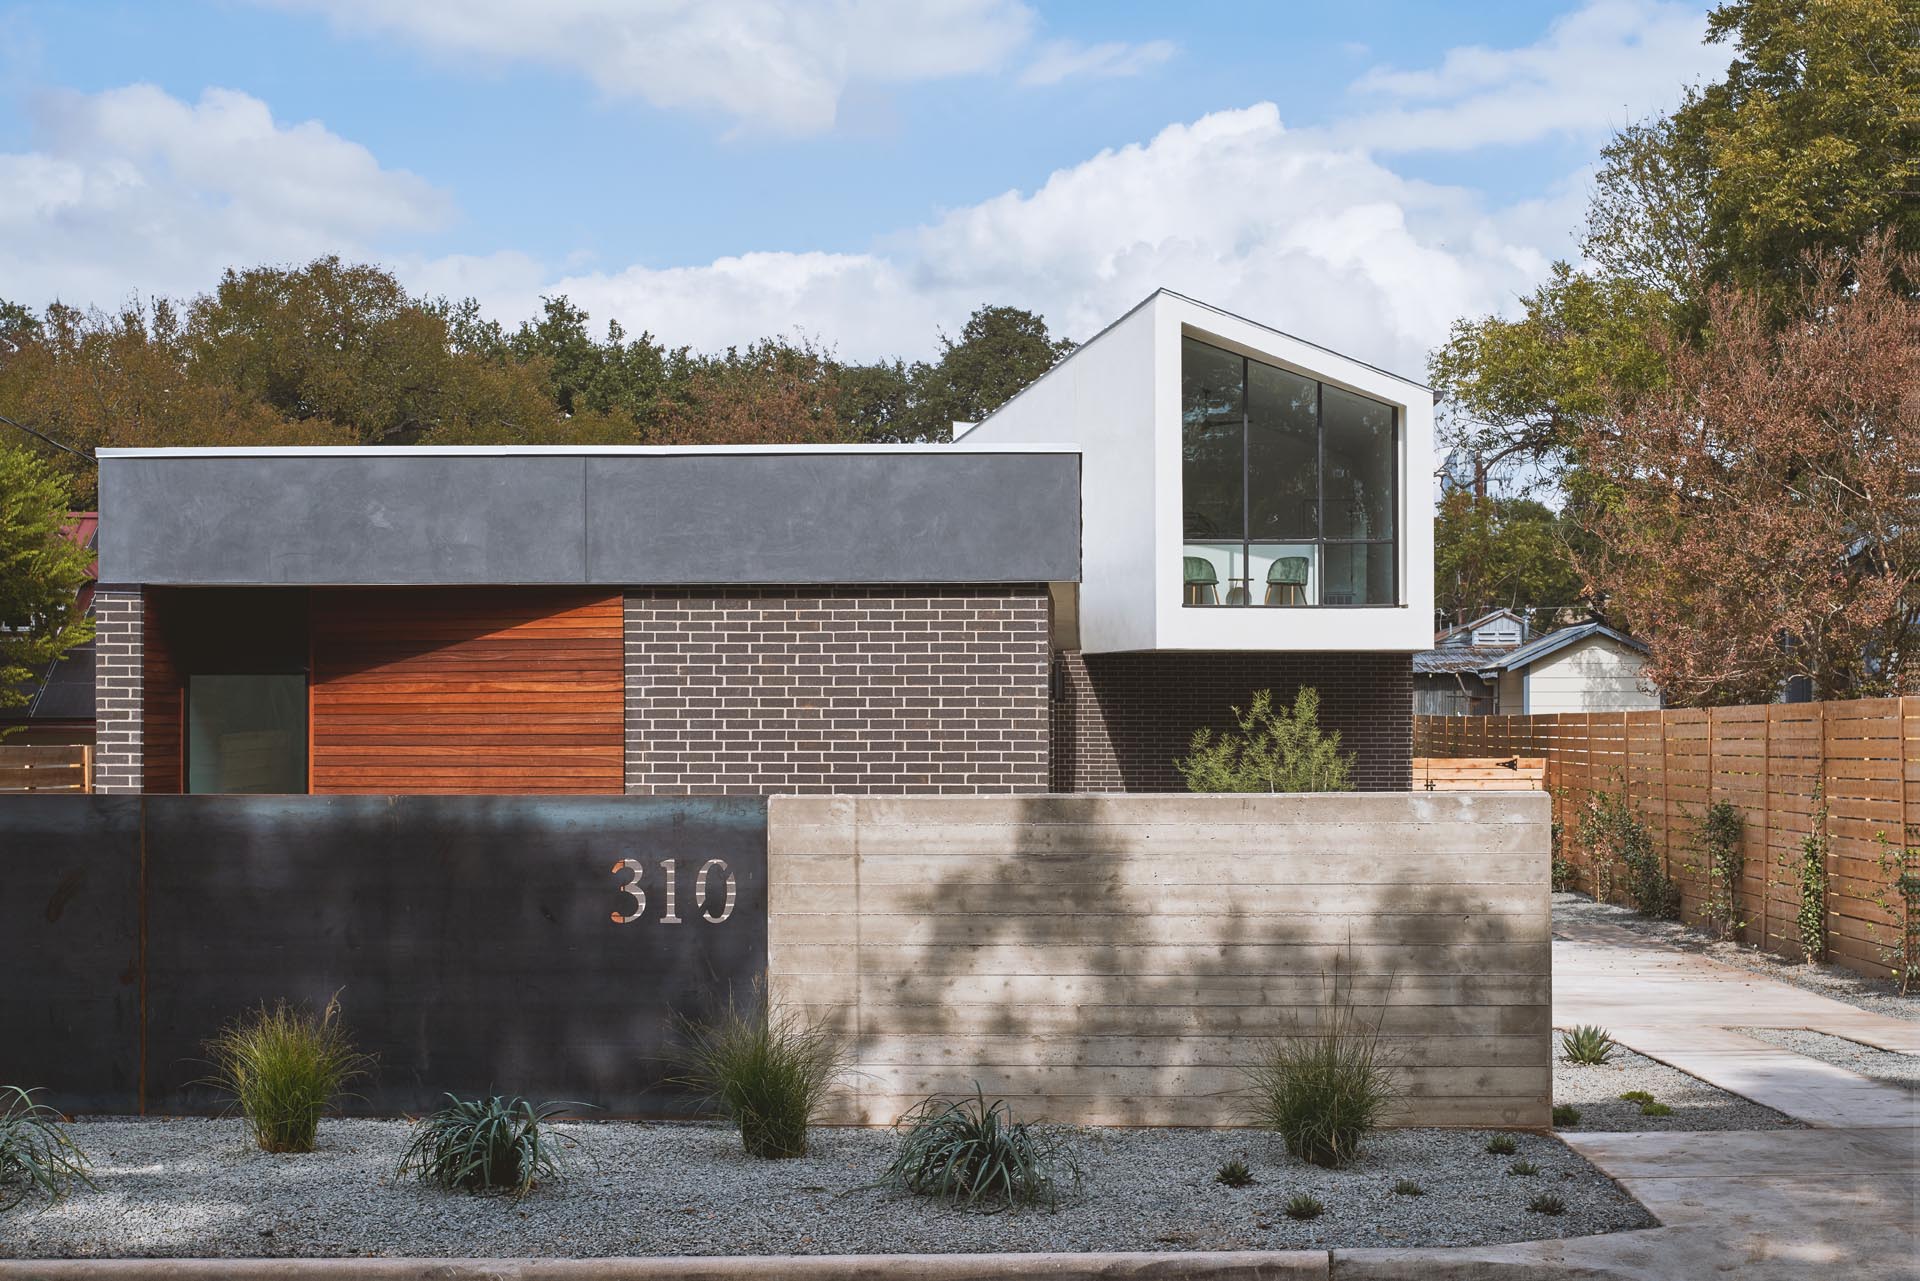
(1512, 552)
(1806, 143)
(1758, 517)
(772, 392)
(1272, 752)
(999, 352)
(41, 573)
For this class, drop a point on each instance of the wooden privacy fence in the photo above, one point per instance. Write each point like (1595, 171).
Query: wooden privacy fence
(46, 769)
(1479, 773)
(1769, 762)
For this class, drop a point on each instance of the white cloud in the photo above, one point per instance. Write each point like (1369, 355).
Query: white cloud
(1602, 66)
(1060, 60)
(135, 188)
(1283, 226)
(777, 65)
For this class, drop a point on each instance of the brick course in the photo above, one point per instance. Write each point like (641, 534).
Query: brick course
(119, 627)
(1119, 720)
(859, 690)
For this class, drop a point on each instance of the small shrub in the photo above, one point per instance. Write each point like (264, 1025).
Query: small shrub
(1303, 1206)
(1565, 875)
(1898, 945)
(483, 1145)
(1523, 1168)
(1547, 1203)
(1502, 1145)
(36, 1155)
(284, 1068)
(1565, 1115)
(972, 1152)
(1324, 1091)
(767, 1070)
(1234, 1174)
(1810, 871)
(1407, 1187)
(1718, 843)
(1655, 1109)
(1613, 833)
(1637, 1096)
(1272, 752)
(1587, 1045)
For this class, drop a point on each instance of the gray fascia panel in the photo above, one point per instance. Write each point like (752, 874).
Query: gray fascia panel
(415, 518)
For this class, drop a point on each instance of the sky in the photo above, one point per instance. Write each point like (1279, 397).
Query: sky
(861, 172)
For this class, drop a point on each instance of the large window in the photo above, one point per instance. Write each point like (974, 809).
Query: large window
(247, 733)
(1287, 487)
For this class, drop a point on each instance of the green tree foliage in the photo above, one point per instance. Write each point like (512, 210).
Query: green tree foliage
(1806, 142)
(1493, 552)
(340, 353)
(41, 573)
(1272, 752)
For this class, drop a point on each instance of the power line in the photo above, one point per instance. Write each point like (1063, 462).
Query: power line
(38, 435)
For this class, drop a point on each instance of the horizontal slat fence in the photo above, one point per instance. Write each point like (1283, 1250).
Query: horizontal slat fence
(1768, 761)
(46, 769)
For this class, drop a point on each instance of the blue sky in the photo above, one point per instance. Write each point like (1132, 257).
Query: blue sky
(865, 171)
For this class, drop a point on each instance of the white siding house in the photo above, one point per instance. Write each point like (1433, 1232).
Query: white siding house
(1589, 668)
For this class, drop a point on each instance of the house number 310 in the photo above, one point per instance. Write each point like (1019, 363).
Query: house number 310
(632, 889)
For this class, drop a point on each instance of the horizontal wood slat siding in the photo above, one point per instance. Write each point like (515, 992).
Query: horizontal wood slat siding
(1120, 959)
(163, 755)
(1771, 762)
(510, 690)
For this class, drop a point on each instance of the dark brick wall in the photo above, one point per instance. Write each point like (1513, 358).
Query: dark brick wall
(1119, 720)
(851, 690)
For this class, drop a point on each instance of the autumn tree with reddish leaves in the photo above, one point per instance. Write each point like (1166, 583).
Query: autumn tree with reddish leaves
(1756, 516)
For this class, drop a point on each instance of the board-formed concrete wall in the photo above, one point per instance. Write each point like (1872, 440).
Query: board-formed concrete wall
(1117, 959)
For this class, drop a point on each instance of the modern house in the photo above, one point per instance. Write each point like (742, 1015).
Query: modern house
(1257, 516)
(1189, 508)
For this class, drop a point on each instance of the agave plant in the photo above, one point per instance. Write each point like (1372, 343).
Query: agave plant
(484, 1145)
(1587, 1045)
(35, 1153)
(974, 1152)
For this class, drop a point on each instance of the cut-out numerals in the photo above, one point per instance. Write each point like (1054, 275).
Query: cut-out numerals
(669, 869)
(632, 890)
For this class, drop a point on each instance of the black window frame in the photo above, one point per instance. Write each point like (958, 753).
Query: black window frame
(1319, 542)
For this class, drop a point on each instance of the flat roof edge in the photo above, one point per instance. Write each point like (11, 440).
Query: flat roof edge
(573, 451)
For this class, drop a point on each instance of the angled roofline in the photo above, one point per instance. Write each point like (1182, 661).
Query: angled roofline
(1124, 316)
(1305, 342)
(1472, 623)
(1535, 650)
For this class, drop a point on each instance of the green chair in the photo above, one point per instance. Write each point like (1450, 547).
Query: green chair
(1287, 581)
(1201, 581)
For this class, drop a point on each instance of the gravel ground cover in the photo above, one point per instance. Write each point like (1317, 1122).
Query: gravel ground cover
(1596, 1091)
(187, 1187)
(1867, 1060)
(1878, 995)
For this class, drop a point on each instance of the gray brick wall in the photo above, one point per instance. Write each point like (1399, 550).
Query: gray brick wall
(118, 615)
(860, 690)
(1120, 720)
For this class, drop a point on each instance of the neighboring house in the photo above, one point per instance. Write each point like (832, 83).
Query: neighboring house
(1447, 679)
(1587, 668)
(1189, 508)
(1257, 516)
(59, 706)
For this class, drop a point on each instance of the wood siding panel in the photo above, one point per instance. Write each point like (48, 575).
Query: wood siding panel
(163, 756)
(472, 691)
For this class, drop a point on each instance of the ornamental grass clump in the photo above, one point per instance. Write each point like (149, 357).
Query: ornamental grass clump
(36, 1155)
(1324, 1091)
(975, 1153)
(766, 1069)
(284, 1067)
(484, 1145)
